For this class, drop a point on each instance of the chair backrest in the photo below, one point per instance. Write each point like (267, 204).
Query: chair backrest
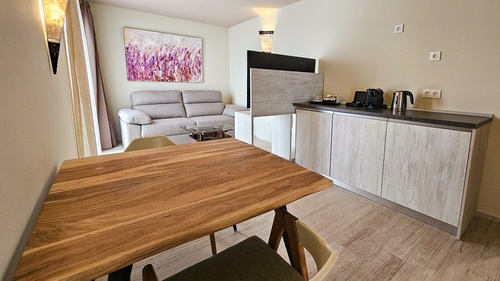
(324, 256)
(148, 142)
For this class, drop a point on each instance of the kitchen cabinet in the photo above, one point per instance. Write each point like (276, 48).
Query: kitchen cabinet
(243, 126)
(313, 140)
(427, 165)
(425, 169)
(358, 151)
(281, 134)
(281, 143)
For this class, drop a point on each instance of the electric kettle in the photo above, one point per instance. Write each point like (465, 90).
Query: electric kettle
(399, 100)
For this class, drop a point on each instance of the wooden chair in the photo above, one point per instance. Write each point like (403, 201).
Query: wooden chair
(253, 259)
(324, 256)
(148, 142)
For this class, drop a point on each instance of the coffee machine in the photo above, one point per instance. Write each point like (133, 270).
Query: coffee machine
(374, 98)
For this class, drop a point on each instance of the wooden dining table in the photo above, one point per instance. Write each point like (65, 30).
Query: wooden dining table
(107, 212)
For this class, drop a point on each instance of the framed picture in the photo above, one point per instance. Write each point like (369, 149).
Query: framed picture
(162, 57)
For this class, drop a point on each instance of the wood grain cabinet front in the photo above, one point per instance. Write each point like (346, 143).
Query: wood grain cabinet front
(428, 171)
(425, 169)
(358, 151)
(313, 140)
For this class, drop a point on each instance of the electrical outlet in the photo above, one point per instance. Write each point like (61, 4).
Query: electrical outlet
(435, 56)
(431, 94)
(400, 28)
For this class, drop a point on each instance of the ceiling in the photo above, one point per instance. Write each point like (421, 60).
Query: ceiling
(225, 13)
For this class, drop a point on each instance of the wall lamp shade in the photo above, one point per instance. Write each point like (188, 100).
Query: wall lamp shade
(54, 12)
(266, 41)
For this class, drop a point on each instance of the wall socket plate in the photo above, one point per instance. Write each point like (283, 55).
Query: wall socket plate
(435, 56)
(431, 94)
(400, 28)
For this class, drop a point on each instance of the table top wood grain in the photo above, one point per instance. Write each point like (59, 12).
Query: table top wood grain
(106, 212)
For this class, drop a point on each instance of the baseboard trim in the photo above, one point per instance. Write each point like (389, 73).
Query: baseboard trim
(409, 212)
(30, 225)
(487, 217)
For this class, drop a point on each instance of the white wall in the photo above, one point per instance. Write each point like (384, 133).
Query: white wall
(357, 49)
(353, 40)
(36, 129)
(110, 21)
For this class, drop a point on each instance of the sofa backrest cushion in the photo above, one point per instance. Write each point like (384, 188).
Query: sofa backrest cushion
(202, 102)
(158, 104)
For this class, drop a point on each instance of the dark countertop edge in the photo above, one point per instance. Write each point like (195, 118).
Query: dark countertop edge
(430, 117)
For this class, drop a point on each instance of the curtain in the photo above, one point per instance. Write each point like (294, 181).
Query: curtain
(83, 119)
(106, 133)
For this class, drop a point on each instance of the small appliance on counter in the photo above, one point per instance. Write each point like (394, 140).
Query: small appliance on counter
(375, 99)
(399, 100)
(359, 99)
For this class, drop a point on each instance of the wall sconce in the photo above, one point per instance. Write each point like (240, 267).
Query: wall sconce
(53, 13)
(266, 41)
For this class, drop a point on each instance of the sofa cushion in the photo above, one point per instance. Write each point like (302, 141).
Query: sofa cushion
(202, 102)
(202, 121)
(166, 127)
(203, 109)
(155, 97)
(158, 104)
(230, 109)
(159, 111)
(132, 116)
(201, 96)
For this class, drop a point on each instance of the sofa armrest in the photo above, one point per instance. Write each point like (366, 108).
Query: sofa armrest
(230, 109)
(129, 132)
(132, 116)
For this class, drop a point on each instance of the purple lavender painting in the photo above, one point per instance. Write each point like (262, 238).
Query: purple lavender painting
(161, 57)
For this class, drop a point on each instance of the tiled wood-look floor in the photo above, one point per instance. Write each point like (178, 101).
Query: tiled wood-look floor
(375, 243)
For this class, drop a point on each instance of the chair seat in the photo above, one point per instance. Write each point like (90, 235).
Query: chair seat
(251, 259)
(148, 142)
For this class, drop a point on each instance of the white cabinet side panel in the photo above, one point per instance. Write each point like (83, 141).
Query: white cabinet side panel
(243, 126)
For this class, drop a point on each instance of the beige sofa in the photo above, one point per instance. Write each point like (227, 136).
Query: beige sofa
(154, 113)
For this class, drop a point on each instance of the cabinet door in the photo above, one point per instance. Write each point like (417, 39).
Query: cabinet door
(425, 169)
(313, 139)
(358, 151)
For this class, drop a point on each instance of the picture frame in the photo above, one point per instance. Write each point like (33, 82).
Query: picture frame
(162, 57)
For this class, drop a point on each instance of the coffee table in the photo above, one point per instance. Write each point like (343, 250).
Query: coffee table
(204, 133)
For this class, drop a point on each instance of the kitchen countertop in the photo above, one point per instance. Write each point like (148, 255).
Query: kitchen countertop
(441, 118)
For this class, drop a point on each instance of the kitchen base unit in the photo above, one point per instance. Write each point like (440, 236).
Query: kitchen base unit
(313, 140)
(402, 209)
(425, 169)
(425, 164)
(358, 151)
(435, 170)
